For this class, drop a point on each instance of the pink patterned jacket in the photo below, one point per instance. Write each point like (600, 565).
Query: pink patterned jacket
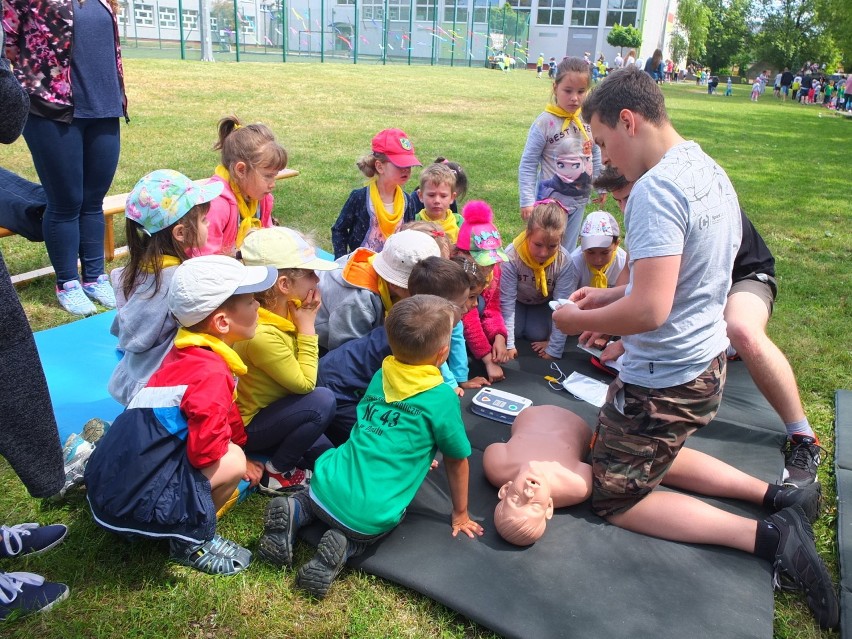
(39, 45)
(479, 333)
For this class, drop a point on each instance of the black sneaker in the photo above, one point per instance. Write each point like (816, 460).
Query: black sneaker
(279, 531)
(809, 498)
(317, 575)
(22, 593)
(802, 455)
(797, 562)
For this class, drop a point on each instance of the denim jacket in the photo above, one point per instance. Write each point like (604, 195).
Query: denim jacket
(39, 44)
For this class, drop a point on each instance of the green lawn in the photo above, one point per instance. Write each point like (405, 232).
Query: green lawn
(788, 162)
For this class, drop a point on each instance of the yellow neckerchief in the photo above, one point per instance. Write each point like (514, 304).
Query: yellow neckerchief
(269, 318)
(384, 291)
(569, 118)
(185, 338)
(401, 381)
(166, 261)
(388, 222)
(599, 274)
(539, 270)
(449, 223)
(248, 208)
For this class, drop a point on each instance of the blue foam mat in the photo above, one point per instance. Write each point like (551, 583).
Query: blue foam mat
(78, 359)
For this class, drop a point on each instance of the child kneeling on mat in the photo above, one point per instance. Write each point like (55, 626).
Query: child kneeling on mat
(361, 489)
(173, 459)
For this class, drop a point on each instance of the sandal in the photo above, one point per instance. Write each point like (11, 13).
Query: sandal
(218, 556)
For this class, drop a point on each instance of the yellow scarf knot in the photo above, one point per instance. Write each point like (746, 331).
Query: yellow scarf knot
(569, 118)
(388, 221)
(249, 209)
(185, 339)
(401, 381)
(384, 291)
(449, 223)
(539, 270)
(599, 279)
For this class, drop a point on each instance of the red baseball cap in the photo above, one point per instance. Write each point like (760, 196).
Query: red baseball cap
(395, 144)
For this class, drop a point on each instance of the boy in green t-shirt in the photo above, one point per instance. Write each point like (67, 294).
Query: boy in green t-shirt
(361, 489)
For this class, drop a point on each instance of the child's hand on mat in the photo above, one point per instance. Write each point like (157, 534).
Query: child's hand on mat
(612, 352)
(511, 353)
(499, 354)
(494, 371)
(459, 390)
(476, 382)
(463, 523)
(254, 472)
(304, 314)
(433, 465)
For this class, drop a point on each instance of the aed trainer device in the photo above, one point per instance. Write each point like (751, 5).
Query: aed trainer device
(498, 405)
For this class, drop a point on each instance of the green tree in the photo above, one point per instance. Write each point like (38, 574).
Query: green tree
(791, 33)
(628, 36)
(678, 46)
(729, 32)
(836, 15)
(693, 20)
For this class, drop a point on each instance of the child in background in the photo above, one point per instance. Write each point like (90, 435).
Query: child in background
(538, 270)
(484, 329)
(362, 489)
(360, 294)
(599, 261)
(438, 190)
(560, 159)
(461, 185)
(445, 246)
(755, 90)
(284, 411)
(173, 459)
(166, 219)
(476, 284)
(539, 65)
(373, 213)
(729, 88)
(348, 369)
(551, 68)
(251, 159)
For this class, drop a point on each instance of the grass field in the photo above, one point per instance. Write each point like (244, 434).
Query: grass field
(789, 164)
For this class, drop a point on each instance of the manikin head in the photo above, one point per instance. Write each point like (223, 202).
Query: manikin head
(524, 508)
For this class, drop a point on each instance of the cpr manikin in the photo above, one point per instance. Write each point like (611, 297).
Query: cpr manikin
(537, 470)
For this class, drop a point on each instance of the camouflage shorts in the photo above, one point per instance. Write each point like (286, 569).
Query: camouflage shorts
(634, 447)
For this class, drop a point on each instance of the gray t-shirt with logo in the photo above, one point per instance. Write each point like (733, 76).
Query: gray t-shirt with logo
(685, 205)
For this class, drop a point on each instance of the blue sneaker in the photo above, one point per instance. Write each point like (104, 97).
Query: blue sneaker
(72, 298)
(101, 291)
(30, 539)
(22, 593)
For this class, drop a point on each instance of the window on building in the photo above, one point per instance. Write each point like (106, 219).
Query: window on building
(551, 12)
(455, 10)
(425, 10)
(122, 14)
(373, 10)
(520, 5)
(586, 13)
(399, 10)
(247, 24)
(480, 14)
(345, 2)
(214, 24)
(621, 12)
(168, 18)
(143, 14)
(190, 19)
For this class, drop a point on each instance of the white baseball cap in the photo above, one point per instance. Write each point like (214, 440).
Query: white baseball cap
(202, 284)
(598, 229)
(401, 252)
(282, 247)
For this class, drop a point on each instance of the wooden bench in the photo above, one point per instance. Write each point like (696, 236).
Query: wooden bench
(113, 204)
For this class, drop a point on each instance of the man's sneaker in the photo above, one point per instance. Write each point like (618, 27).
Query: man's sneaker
(101, 291)
(72, 298)
(22, 593)
(797, 563)
(282, 483)
(808, 498)
(280, 522)
(802, 455)
(317, 575)
(30, 539)
(219, 556)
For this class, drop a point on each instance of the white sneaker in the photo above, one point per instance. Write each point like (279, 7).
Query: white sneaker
(72, 298)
